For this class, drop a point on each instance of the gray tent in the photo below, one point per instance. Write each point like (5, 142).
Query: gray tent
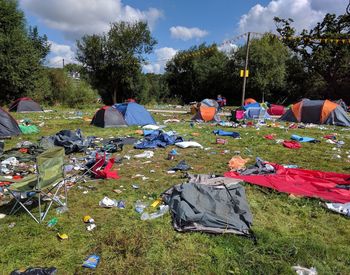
(318, 112)
(209, 204)
(8, 125)
(108, 117)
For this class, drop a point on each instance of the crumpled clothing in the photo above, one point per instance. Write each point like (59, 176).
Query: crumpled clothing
(70, 140)
(226, 133)
(259, 168)
(291, 144)
(237, 162)
(36, 271)
(270, 137)
(156, 139)
(181, 166)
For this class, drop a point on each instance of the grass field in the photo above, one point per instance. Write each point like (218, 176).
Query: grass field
(289, 231)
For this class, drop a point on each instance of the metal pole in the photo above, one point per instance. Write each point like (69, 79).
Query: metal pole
(63, 63)
(245, 69)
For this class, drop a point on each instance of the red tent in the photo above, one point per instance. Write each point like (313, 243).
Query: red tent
(276, 110)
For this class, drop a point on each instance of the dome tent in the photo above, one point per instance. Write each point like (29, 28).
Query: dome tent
(317, 112)
(207, 111)
(135, 114)
(8, 125)
(25, 104)
(108, 117)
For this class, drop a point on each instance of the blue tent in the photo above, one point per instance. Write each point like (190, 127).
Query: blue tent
(135, 114)
(256, 113)
(252, 105)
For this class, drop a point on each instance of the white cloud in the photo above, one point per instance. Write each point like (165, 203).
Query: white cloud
(305, 13)
(78, 17)
(163, 55)
(227, 47)
(185, 33)
(58, 53)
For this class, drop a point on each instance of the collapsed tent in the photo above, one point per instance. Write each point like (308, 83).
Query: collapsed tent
(25, 104)
(249, 101)
(135, 114)
(342, 104)
(8, 125)
(317, 112)
(72, 141)
(209, 204)
(330, 186)
(108, 117)
(276, 110)
(207, 111)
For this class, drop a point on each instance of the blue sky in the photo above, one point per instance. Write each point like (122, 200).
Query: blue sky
(176, 24)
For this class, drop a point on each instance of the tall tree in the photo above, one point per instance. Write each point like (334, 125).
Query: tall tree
(267, 67)
(198, 73)
(112, 60)
(21, 53)
(324, 52)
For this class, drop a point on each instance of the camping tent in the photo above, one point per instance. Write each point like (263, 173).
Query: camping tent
(342, 104)
(25, 104)
(135, 114)
(318, 112)
(276, 110)
(207, 111)
(108, 117)
(8, 125)
(249, 101)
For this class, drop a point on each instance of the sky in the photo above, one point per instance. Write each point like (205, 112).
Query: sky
(175, 24)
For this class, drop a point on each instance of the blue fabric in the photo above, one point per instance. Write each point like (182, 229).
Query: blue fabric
(226, 133)
(252, 105)
(302, 139)
(156, 139)
(135, 114)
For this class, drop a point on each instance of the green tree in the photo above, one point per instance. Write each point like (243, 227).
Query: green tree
(113, 60)
(267, 67)
(198, 73)
(324, 54)
(21, 53)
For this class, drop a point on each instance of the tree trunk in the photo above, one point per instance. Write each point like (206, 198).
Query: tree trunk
(114, 96)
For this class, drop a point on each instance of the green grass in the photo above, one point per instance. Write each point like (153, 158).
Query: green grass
(289, 231)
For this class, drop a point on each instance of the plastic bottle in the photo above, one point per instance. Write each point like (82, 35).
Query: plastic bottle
(61, 210)
(162, 210)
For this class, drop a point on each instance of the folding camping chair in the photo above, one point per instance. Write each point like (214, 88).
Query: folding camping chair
(50, 176)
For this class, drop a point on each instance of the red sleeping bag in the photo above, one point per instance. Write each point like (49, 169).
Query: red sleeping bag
(302, 182)
(276, 110)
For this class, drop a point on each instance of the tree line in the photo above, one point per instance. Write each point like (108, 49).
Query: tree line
(110, 65)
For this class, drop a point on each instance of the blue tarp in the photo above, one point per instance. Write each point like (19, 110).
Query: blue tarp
(157, 139)
(226, 133)
(135, 114)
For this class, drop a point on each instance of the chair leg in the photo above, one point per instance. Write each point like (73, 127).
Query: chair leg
(65, 192)
(21, 204)
(40, 219)
(52, 200)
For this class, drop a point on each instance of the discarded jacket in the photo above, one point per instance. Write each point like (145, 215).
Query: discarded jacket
(209, 204)
(226, 133)
(156, 139)
(291, 144)
(302, 182)
(71, 141)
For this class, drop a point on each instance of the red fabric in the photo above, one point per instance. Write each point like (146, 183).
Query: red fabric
(331, 136)
(291, 144)
(302, 182)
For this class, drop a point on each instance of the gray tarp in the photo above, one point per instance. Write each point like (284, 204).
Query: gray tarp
(209, 204)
